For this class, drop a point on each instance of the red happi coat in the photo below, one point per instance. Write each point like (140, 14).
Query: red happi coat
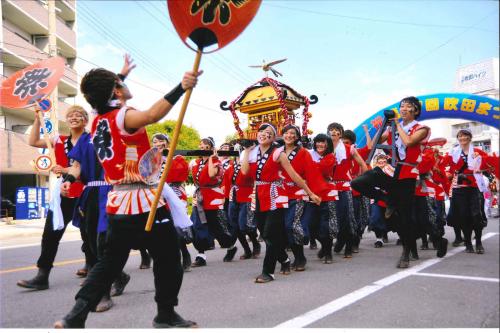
(413, 154)
(269, 187)
(441, 180)
(325, 166)
(119, 153)
(342, 171)
(210, 188)
(75, 189)
(300, 162)
(425, 187)
(178, 174)
(456, 167)
(238, 188)
(226, 178)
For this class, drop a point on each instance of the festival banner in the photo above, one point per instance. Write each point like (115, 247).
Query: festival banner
(441, 106)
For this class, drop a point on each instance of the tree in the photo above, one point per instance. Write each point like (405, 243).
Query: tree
(231, 137)
(189, 138)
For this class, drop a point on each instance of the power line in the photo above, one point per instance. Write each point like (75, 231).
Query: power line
(360, 18)
(34, 58)
(96, 65)
(235, 68)
(224, 68)
(156, 90)
(444, 43)
(114, 37)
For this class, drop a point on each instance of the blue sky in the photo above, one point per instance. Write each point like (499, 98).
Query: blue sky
(356, 56)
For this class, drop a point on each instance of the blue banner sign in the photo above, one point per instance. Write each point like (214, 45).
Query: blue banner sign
(438, 106)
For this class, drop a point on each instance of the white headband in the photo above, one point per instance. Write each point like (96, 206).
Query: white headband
(272, 127)
(211, 141)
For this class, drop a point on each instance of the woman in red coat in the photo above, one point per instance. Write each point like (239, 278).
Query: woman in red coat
(465, 206)
(265, 163)
(324, 220)
(208, 215)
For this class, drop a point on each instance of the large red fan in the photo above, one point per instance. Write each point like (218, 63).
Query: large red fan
(205, 23)
(209, 22)
(31, 84)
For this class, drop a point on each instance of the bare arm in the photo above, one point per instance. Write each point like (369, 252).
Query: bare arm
(359, 160)
(245, 165)
(213, 169)
(135, 119)
(369, 142)
(34, 138)
(415, 138)
(285, 163)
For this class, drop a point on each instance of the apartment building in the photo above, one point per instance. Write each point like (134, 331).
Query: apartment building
(24, 40)
(481, 78)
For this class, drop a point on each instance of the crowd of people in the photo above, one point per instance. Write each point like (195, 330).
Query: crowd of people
(287, 192)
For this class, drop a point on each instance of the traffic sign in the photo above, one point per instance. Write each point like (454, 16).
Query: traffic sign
(43, 151)
(43, 162)
(48, 126)
(45, 105)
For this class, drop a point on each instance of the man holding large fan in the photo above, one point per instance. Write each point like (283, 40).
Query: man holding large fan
(120, 139)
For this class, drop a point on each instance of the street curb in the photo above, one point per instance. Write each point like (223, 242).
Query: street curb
(26, 228)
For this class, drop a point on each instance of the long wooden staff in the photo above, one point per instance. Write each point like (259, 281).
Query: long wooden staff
(173, 145)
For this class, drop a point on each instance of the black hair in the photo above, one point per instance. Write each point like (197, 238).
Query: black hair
(161, 137)
(349, 135)
(336, 126)
(97, 87)
(231, 146)
(209, 141)
(266, 125)
(465, 132)
(323, 138)
(297, 132)
(415, 102)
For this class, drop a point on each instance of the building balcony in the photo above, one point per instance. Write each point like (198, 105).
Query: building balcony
(16, 154)
(33, 18)
(67, 9)
(25, 117)
(18, 53)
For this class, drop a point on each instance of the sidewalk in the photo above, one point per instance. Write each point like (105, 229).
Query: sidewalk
(26, 228)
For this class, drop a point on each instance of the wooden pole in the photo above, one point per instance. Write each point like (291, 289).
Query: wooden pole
(172, 146)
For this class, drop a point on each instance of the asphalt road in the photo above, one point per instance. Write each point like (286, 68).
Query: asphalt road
(368, 291)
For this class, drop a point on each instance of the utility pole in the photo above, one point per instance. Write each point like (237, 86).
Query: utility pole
(53, 53)
(54, 97)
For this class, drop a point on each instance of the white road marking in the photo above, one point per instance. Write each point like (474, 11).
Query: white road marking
(459, 277)
(32, 244)
(346, 300)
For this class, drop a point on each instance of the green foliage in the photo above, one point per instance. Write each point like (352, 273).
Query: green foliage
(189, 137)
(231, 137)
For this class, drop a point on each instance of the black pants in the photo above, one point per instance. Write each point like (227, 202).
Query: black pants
(274, 234)
(217, 226)
(126, 232)
(88, 228)
(466, 211)
(400, 194)
(51, 237)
